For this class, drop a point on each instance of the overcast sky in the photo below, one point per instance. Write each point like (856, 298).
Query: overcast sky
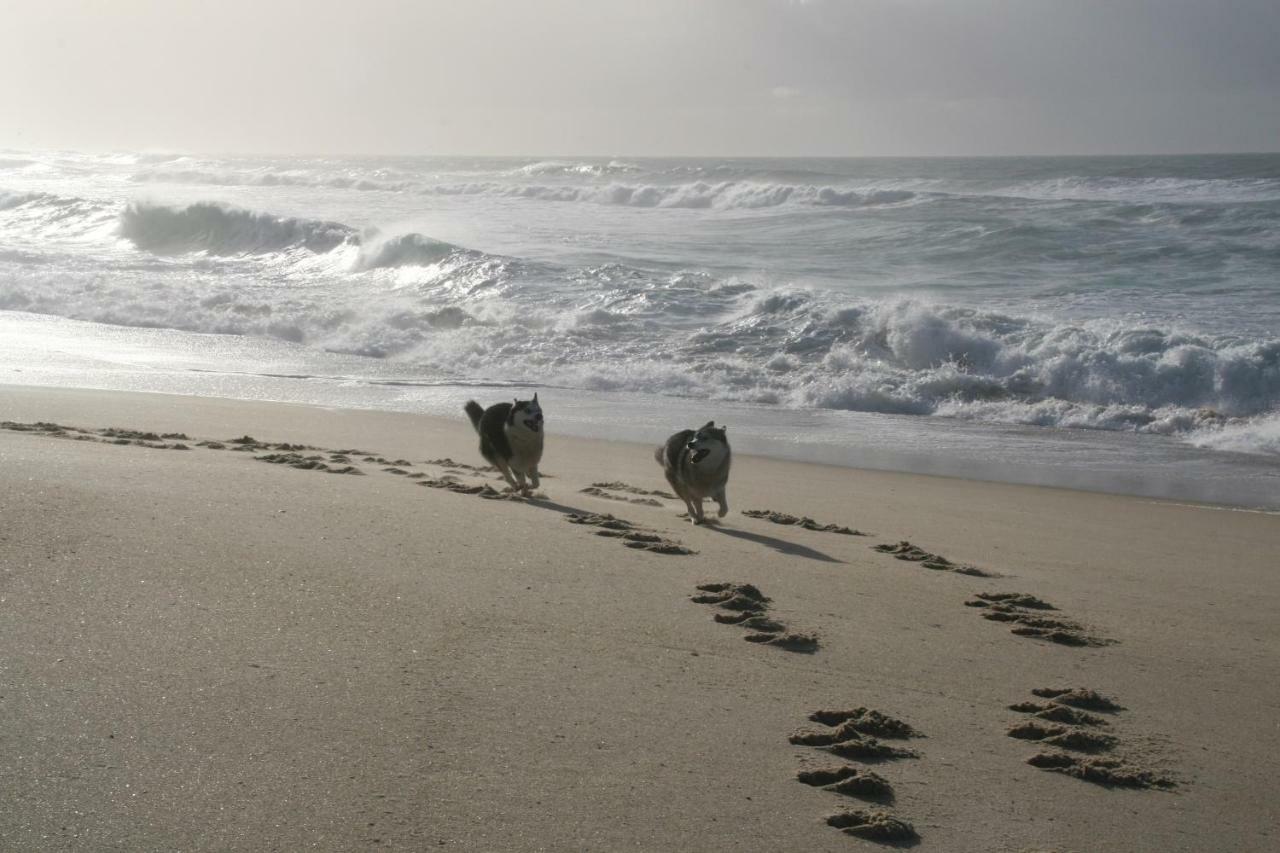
(611, 77)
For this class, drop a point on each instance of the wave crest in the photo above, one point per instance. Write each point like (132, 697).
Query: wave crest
(727, 195)
(223, 230)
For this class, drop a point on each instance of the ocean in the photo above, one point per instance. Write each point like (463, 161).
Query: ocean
(1108, 323)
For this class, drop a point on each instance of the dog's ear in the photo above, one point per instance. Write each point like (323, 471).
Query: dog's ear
(709, 425)
(724, 429)
(535, 396)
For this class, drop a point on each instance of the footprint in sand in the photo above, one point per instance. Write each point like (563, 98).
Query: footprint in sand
(853, 734)
(748, 606)
(1026, 613)
(301, 456)
(849, 781)
(630, 494)
(1076, 730)
(904, 550)
(1062, 736)
(446, 462)
(1078, 697)
(315, 462)
(451, 479)
(628, 533)
(800, 521)
(874, 826)
(450, 483)
(111, 435)
(596, 491)
(1109, 772)
(382, 460)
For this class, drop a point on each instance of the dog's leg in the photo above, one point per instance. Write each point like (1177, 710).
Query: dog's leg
(535, 478)
(506, 473)
(723, 500)
(523, 487)
(701, 517)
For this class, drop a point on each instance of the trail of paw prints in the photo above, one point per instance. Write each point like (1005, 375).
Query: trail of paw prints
(450, 483)
(478, 484)
(748, 608)
(619, 486)
(855, 734)
(904, 550)
(304, 457)
(313, 462)
(1027, 615)
(629, 494)
(452, 467)
(290, 455)
(629, 534)
(110, 435)
(286, 454)
(800, 521)
(1065, 722)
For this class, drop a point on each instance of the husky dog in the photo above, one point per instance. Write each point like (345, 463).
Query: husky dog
(511, 439)
(696, 463)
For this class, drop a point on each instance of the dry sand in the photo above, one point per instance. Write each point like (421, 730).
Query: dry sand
(202, 651)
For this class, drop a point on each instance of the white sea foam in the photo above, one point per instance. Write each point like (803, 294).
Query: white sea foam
(621, 328)
(726, 195)
(1146, 190)
(268, 178)
(1149, 309)
(722, 195)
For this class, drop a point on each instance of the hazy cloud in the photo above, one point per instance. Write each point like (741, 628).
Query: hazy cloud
(642, 76)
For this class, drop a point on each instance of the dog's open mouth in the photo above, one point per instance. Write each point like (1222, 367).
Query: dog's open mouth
(700, 454)
(533, 426)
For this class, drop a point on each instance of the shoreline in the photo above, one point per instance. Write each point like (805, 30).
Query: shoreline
(46, 351)
(581, 430)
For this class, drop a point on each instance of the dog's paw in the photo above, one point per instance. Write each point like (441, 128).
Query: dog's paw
(724, 510)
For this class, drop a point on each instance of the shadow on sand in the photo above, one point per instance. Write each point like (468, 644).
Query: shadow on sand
(564, 509)
(780, 545)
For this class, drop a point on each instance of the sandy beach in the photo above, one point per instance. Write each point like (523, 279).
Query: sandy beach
(205, 651)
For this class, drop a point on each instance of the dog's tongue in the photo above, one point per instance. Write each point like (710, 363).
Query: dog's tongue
(699, 455)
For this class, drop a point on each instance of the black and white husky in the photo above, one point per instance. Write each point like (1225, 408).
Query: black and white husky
(511, 439)
(696, 463)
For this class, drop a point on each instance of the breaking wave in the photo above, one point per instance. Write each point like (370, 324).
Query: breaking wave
(603, 321)
(219, 229)
(613, 327)
(715, 195)
(268, 178)
(560, 167)
(1146, 190)
(726, 195)
(222, 230)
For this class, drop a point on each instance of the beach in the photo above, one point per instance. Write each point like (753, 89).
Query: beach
(205, 651)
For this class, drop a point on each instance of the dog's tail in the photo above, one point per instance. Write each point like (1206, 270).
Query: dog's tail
(475, 412)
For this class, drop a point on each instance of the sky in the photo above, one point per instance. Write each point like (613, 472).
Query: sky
(642, 77)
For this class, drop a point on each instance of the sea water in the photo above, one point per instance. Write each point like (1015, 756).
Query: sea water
(1104, 322)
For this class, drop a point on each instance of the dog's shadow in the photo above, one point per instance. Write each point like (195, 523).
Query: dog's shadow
(781, 545)
(563, 509)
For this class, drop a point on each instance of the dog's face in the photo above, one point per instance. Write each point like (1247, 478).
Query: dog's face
(528, 414)
(710, 441)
